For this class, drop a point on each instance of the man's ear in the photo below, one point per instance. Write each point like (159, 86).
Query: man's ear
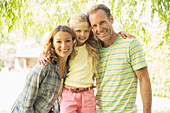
(111, 18)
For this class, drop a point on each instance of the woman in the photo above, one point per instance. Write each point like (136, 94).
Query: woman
(43, 87)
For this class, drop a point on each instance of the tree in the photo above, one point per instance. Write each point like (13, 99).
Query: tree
(149, 20)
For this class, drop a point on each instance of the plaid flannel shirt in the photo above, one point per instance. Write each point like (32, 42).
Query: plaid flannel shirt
(41, 90)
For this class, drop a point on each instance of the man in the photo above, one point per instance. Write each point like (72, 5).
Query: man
(121, 65)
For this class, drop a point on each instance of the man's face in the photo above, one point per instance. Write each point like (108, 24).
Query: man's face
(101, 25)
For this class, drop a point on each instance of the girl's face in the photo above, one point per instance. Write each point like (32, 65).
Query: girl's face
(82, 31)
(63, 44)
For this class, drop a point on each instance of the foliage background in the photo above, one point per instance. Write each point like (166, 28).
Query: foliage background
(148, 20)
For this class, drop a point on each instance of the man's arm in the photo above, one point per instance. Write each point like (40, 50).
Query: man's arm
(145, 89)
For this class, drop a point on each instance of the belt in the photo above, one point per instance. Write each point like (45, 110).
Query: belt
(79, 90)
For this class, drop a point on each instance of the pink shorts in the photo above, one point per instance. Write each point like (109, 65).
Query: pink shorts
(83, 102)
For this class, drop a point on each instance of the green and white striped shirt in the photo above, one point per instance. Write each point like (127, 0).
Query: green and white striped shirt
(116, 80)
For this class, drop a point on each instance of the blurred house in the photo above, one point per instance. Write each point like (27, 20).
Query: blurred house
(7, 52)
(27, 54)
(27, 58)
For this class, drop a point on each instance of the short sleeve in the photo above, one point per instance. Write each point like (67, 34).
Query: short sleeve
(137, 57)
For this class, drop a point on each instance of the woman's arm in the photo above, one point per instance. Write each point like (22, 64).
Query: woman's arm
(31, 89)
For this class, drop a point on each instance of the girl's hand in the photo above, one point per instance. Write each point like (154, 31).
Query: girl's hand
(43, 58)
(124, 34)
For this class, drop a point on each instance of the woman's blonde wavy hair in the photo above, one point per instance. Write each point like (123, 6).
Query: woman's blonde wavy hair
(91, 42)
(49, 49)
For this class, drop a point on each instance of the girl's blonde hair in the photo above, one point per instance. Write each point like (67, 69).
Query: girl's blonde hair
(49, 49)
(91, 42)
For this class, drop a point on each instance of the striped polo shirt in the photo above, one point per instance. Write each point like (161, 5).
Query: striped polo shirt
(116, 80)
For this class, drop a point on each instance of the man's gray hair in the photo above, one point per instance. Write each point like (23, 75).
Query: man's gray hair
(95, 8)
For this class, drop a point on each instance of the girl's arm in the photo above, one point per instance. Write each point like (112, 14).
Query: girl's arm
(124, 34)
(43, 59)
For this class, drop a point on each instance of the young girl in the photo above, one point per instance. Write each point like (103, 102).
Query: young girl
(78, 91)
(41, 93)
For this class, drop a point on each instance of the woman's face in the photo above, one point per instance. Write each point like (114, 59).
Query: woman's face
(82, 31)
(63, 44)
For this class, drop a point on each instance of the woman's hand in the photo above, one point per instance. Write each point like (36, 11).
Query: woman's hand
(43, 58)
(124, 34)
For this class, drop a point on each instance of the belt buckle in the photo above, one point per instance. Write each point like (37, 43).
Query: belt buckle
(77, 90)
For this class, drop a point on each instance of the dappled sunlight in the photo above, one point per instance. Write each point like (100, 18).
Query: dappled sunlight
(25, 25)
